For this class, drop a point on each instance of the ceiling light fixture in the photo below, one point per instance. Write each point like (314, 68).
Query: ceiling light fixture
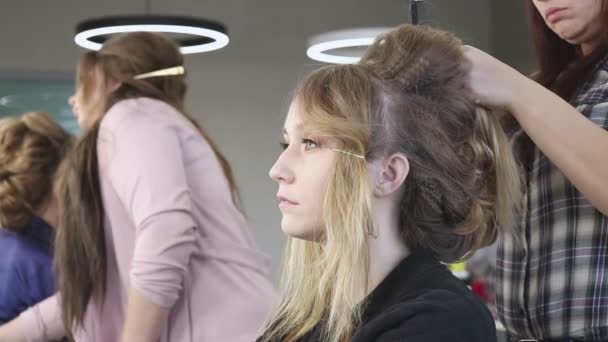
(321, 46)
(202, 35)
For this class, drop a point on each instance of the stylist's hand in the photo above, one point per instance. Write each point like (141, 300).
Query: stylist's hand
(494, 84)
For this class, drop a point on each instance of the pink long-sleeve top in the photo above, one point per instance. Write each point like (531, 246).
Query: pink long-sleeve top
(172, 232)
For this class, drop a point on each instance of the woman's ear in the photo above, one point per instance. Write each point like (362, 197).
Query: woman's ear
(390, 175)
(113, 85)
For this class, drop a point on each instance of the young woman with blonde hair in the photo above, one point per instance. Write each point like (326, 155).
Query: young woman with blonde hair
(389, 168)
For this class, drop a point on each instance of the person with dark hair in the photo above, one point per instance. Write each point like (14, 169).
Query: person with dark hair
(553, 285)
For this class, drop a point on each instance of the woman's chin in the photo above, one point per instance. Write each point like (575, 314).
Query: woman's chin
(299, 231)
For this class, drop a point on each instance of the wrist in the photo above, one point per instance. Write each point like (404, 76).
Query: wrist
(524, 93)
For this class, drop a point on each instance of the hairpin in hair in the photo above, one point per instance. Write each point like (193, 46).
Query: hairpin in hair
(349, 153)
(177, 70)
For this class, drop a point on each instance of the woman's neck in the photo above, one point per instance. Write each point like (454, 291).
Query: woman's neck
(588, 48)
(593, 42)
(48, 212)
(386, 249)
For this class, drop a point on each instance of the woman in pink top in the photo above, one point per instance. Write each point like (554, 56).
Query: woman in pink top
(150, 245)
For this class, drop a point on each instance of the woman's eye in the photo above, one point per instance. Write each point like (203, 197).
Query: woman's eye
(309, 144)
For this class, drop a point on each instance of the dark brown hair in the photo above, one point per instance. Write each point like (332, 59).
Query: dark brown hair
(463, 182)
(80, 243)
(562, 68)
(31, 148)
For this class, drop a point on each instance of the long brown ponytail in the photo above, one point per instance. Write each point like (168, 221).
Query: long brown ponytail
(80, 246)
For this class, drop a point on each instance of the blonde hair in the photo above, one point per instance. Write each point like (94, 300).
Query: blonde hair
(408, 95)
(31, 148)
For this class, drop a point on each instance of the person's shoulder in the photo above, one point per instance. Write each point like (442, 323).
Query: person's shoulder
(603, 64)
(24, 243)
(432, 315)
(11, 250)
(21, 254)
(31, 255)
(592, 100)
(138, 121)
(141, 112)
(595, 91)
(599, 83)
(447, 303)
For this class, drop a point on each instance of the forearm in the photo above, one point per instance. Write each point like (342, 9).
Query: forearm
(41, 322)
(144, 319)
(577, 146)
(12, 332)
